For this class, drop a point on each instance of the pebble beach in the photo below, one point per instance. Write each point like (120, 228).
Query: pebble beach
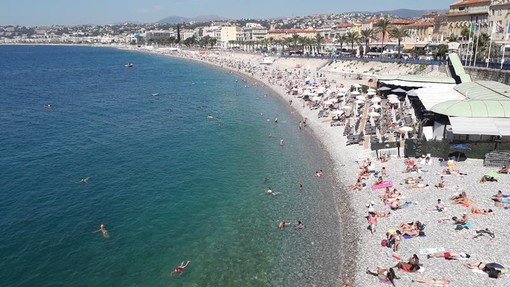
(362, 250)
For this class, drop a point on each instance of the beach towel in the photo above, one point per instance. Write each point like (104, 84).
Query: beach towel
(425, 251)
(407, 236)
(383, 185)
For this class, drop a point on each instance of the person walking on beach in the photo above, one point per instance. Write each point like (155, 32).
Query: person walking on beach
(179, 269)
(372, 222)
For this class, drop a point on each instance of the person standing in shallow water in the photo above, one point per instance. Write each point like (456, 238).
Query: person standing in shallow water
(281, 142)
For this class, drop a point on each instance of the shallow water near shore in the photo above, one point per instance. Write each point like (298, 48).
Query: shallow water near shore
(168, 184)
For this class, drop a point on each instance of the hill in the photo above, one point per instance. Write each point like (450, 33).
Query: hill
(179, 19)
(407, 13)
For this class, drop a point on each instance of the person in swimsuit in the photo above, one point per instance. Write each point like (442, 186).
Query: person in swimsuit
(449, 255)
(441, 282)
(103, 230)
(475, 265)
(384, 274)
(481, 211)
(179, 269)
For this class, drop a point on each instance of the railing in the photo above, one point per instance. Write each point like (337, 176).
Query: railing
(368, 59)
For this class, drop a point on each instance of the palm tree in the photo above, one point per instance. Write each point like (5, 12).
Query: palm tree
(399, 34)
(352, 37)
(295, 39)
(441, 52)
(383, 26)
(367, 35)
(318, 41)
(341, 39)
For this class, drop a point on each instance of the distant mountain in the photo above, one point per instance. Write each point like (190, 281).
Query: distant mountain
(178, 19)
(408, 13)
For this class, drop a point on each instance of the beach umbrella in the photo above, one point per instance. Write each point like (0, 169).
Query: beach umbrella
(461, 146)
(357, 86)
(359, 102)
(383, 89)
(406, 129)
(361, 98)
(392, 96)
(370, 93)
(459, 155)
(347, 108)
(355, 93)
(375, 99)
(412, 93)
(492, 174)
(371, 90)
(374, 114)
(394, 101)
(398, 90)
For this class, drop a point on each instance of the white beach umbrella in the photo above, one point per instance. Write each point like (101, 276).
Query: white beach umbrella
(359, 102)
(406, 129)
(371, 93)
(361, 98)
(374, 114)
(392, 96)
(371, 90)
(355, 93)
(375, 100)
(357, 86)
(347, 108)
(394, 101)
(412, 93)
(316, 98)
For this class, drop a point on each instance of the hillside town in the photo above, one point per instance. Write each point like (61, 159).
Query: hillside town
(468, 26)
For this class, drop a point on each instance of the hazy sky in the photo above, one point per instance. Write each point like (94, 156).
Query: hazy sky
(70, 12)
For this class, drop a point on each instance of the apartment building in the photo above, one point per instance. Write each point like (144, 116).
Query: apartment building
(465, 12)
(499, 19)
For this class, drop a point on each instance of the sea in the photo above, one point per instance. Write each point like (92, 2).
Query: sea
(169, 184)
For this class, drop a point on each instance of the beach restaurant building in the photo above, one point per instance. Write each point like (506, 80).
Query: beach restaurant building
(459, 108)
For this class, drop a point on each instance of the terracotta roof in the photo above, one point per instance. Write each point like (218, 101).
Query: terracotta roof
(469, 2)
(291, 31)
(401, 22)
(344, 25)
(420, 24)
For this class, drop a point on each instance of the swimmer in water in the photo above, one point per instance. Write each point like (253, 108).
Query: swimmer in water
(179, 269)
(103, 230)
(209, 117)
(281, 224)
(281, 142)
(85, 180)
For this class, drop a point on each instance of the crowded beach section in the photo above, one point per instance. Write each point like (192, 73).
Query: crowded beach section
(409, 221)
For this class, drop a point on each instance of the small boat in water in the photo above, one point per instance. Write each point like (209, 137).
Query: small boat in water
(128, 65)
(155, 94)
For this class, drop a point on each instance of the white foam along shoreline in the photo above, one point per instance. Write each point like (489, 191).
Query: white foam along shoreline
(362, 250)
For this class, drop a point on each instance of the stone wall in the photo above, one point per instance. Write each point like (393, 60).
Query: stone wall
(477, 74)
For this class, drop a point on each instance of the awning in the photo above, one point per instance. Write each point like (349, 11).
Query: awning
(481, 126)
(408, 47)
(410, 84)
(434, 95)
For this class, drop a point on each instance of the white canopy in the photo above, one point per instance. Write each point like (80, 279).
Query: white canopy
(437, 94)
(480, 126)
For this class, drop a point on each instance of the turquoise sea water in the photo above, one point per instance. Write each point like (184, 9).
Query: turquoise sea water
(168, 184)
